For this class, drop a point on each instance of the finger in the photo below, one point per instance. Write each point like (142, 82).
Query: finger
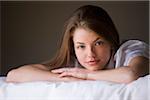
(64, 74)
(56, 71)
(61, 70)
(74, 74)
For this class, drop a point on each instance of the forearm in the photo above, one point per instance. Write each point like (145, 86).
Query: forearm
(119, 75)
(31, 73)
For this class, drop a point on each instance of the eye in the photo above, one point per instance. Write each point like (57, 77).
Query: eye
(99, 43)
(80, 47)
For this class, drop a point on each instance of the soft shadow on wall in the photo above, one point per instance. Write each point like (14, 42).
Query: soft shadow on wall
(31, 30)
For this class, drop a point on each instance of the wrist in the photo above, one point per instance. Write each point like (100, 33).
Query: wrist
(88, 76)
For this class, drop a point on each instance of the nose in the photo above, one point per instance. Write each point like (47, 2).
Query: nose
(91, 52)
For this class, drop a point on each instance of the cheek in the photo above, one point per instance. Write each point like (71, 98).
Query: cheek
(104, 54)
(80, 56)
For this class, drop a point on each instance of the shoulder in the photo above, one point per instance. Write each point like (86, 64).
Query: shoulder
(129, 50)
(133, 43)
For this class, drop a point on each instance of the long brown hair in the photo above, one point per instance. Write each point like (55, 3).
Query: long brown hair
(91, 17)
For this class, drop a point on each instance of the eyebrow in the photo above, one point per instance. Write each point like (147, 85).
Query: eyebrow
(97, 39)
(84, 43)
(80, 43)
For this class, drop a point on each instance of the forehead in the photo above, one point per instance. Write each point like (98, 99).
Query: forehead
(85, 35)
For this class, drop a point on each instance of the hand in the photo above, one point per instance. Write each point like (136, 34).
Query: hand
(73, 72)
(69, 79)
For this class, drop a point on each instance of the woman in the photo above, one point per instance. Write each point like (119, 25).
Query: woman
(90, 51)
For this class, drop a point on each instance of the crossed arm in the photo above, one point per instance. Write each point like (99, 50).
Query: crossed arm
(138, 66)
(35, 72)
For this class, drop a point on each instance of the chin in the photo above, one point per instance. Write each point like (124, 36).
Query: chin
(93, 68)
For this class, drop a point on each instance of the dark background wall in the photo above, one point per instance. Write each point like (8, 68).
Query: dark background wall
(31, 30)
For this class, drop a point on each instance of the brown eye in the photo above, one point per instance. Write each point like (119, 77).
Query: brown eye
(99, 43)
(81, 47)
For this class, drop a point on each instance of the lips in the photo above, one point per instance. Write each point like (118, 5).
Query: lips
(92, 62)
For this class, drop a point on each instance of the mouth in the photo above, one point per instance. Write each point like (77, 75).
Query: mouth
(93, 62)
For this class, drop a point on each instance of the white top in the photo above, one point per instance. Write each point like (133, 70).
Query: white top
(129, 50)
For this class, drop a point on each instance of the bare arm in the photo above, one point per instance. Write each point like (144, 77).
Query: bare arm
(138, 66)
(35, 72)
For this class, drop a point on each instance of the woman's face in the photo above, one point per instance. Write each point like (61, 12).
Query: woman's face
(92, 51)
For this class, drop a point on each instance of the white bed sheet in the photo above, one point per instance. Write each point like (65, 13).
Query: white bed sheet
(83, 90)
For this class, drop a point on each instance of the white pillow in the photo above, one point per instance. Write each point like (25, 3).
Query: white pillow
(81, 90)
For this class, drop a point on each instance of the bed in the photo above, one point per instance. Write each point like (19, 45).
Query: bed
(81, 90)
